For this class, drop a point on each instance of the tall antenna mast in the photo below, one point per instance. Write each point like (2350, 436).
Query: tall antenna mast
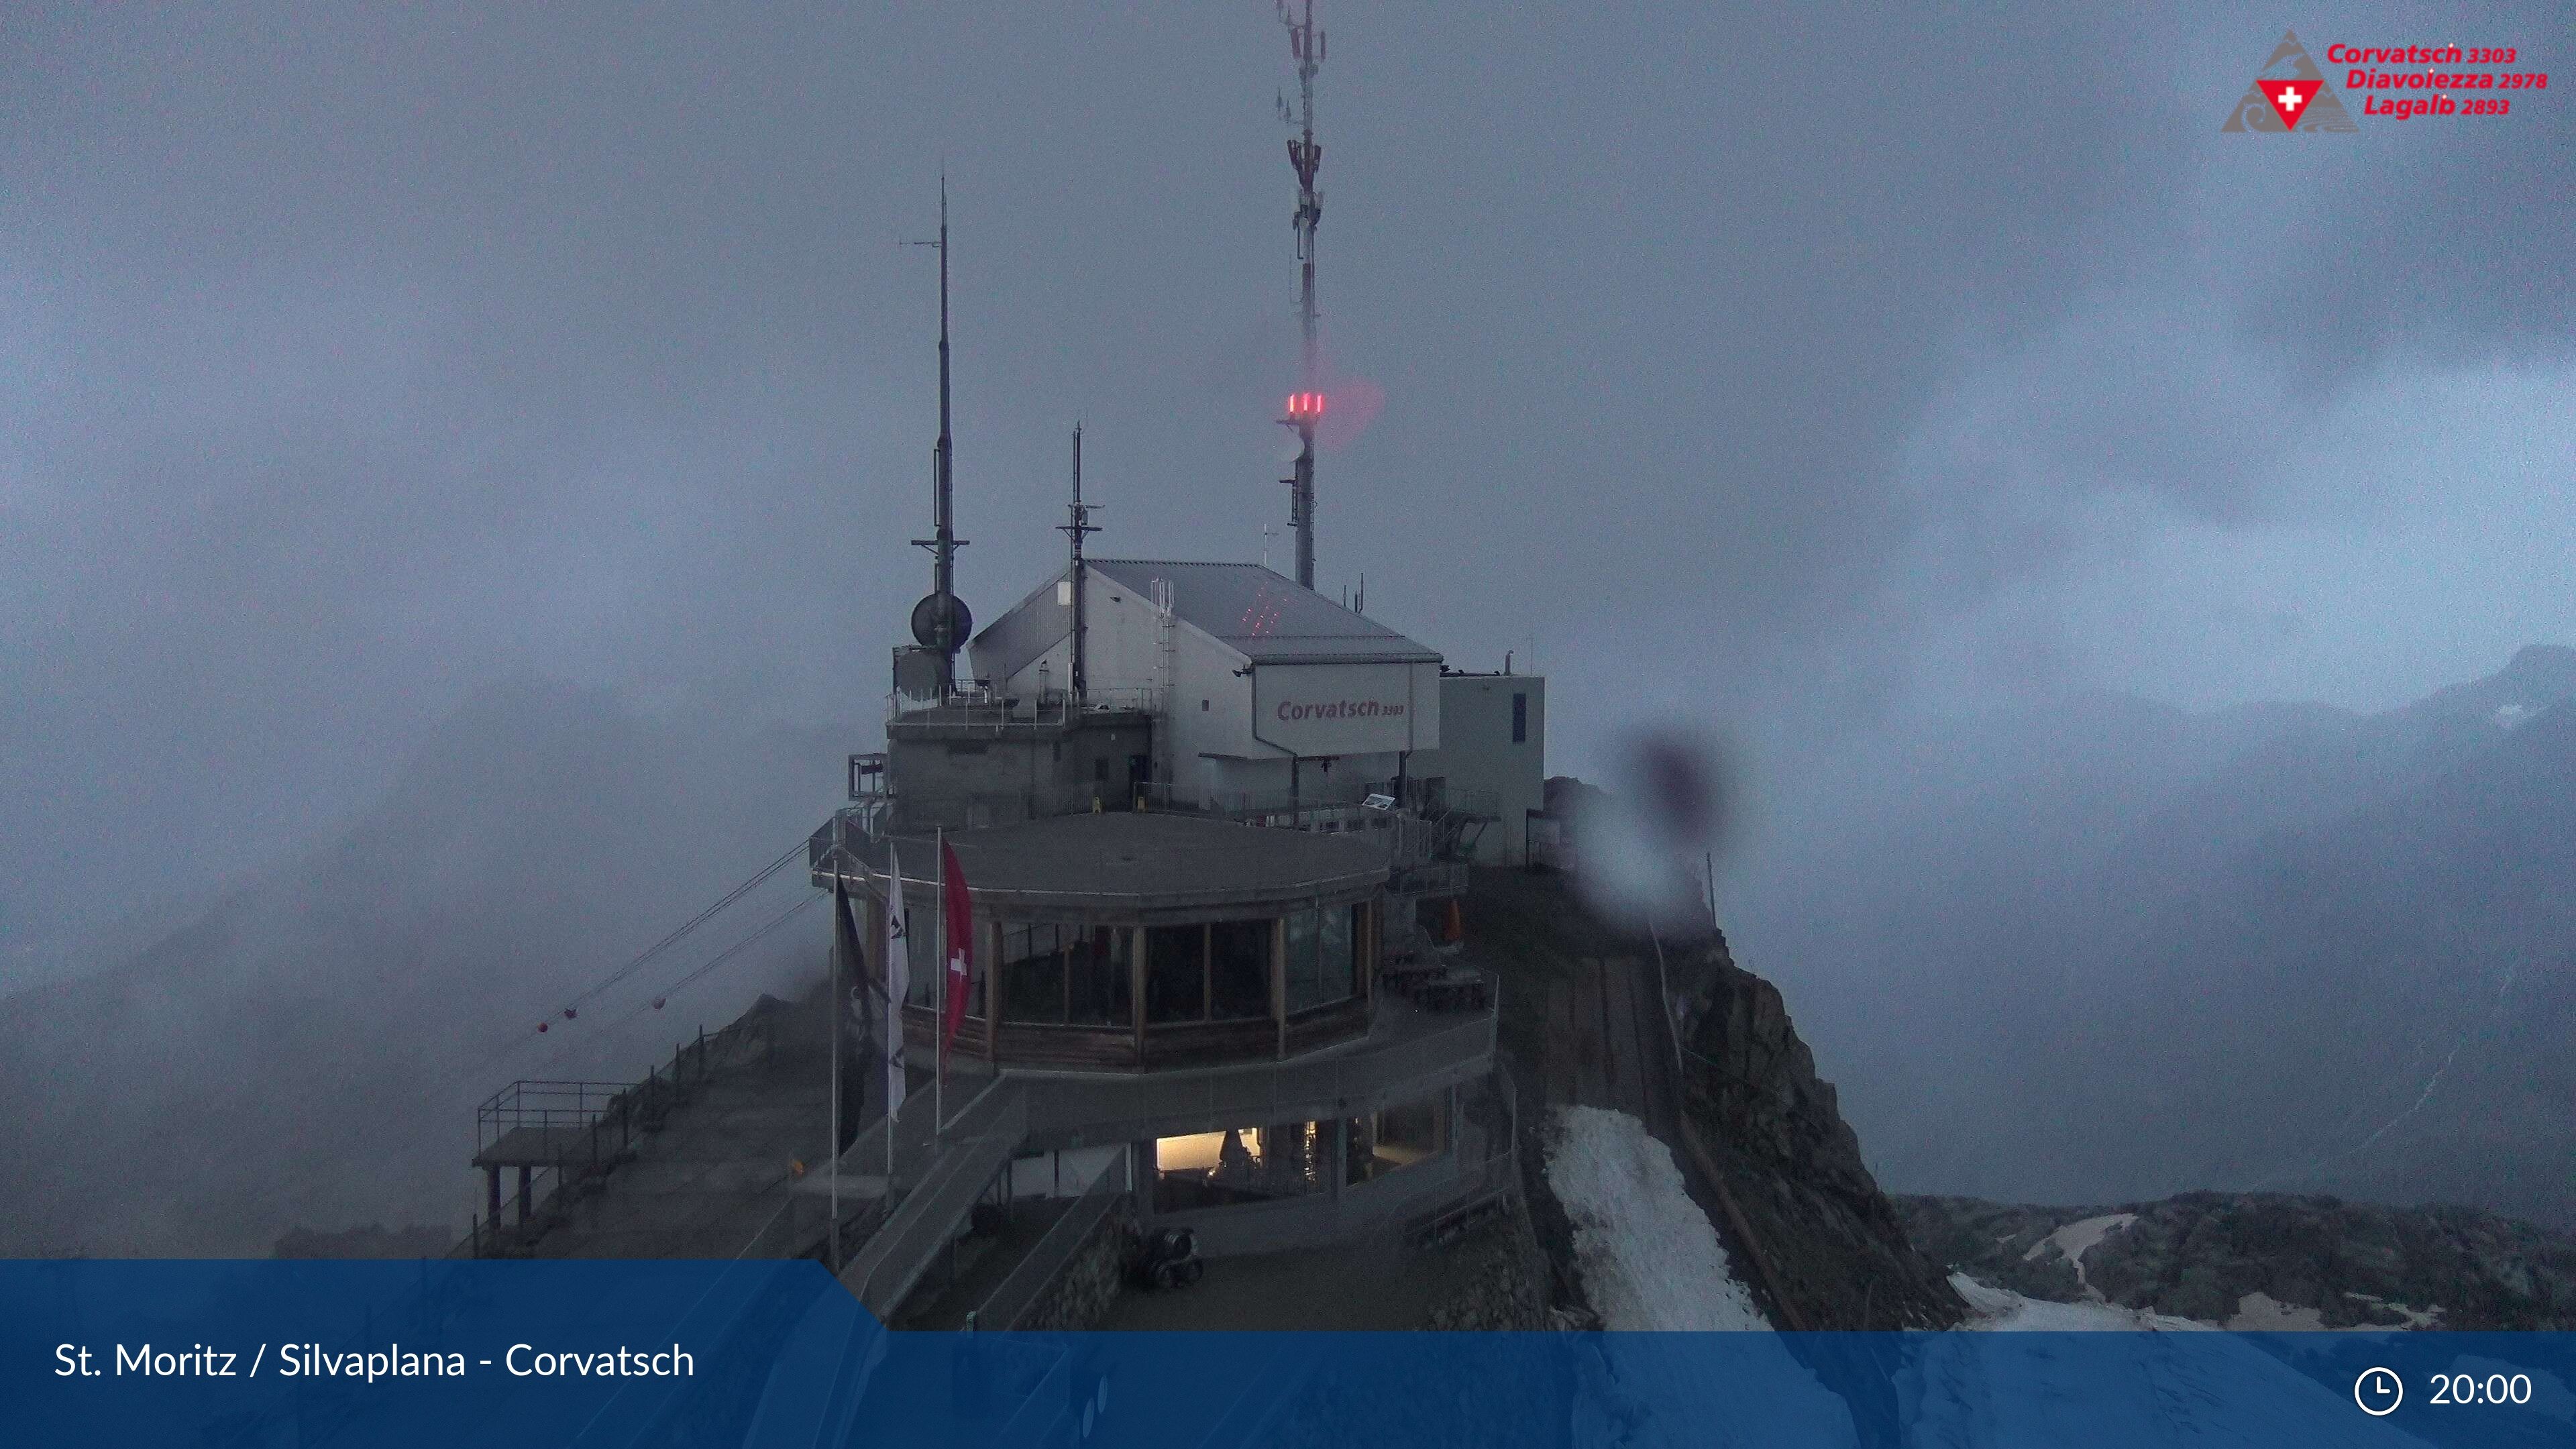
(941, 621)
(1306, 405)
(1080, 523)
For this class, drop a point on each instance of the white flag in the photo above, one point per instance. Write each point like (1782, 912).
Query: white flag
(898, 980)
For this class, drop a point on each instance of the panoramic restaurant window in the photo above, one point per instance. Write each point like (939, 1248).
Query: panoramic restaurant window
(1321, 966)
(1218, 972)
(1065, 975)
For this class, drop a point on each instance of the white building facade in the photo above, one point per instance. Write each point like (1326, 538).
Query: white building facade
(1260, 689)
(1491, 762)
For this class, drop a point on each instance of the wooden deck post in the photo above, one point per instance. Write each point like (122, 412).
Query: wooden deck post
(993, 995)
(1136, 988)
(1366, 946)
(1279, 979)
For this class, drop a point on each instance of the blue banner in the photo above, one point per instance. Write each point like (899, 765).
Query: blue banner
(661, 1353)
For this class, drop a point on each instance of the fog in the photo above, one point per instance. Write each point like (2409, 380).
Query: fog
(1800, 378)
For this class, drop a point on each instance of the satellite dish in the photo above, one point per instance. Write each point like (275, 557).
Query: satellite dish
(941, 621)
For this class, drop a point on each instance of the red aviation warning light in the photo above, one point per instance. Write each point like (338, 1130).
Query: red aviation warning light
(1305, 407)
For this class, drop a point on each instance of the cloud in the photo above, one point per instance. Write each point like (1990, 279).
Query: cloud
(358, 355)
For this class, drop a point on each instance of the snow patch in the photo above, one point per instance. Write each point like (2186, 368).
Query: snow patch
(2416, 1318)
(2002, 1310)
(2074, 1240)
(1648, 1258)
(2262, 1313)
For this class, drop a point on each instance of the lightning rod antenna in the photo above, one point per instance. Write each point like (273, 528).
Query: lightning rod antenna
(941, 622)
(1079, 523)
(1306, 405)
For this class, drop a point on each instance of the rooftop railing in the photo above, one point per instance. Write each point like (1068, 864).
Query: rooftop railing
(982, 707)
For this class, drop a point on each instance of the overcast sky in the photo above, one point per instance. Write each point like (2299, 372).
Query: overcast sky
(1756, 364)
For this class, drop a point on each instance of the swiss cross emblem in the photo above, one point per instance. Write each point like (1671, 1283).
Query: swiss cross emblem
(2290, 98)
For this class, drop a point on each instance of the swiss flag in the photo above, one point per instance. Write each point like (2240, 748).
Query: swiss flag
(961, 938)
(2290, 98)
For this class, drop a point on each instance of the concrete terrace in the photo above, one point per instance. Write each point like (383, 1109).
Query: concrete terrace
(715, 1176)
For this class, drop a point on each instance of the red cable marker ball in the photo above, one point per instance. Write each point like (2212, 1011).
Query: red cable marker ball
(569, 1013)
(541, 1028)
(657, 1003)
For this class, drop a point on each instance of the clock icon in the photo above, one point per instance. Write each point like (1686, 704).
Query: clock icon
(2379, 1392)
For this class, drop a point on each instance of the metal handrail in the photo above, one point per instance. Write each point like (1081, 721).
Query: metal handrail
(786, 1233)
(985, 708)
(1122, 1107)
(1430, 878)
(1245, 804)
(913, 1232)
(575, 1105)
(536, 1103)
(1004, 1308)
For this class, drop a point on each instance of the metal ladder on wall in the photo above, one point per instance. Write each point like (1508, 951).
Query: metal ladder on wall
(1165, 677)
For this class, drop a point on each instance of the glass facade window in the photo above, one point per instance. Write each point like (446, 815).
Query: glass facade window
(1322, 967)
(1343, 932)
(1395, 1139)
(1239, 970)
(1046, 973)
(1032, 975)
(1242, 1165)
(922, 947)
(1065, 975)
(1305, 987)
(1176, 973)
(1099, 980)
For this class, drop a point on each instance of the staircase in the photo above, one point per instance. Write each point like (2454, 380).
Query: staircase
(924, 1211)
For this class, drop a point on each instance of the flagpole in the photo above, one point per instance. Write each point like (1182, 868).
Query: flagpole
(894, 1003)
(832, 1015)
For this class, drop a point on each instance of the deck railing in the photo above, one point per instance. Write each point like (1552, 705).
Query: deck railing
(1121, 1107)
(970, 1154)
(594, 1126)
(1010, 1304)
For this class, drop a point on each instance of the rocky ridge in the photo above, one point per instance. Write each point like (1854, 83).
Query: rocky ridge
(1834, 1245)
(2265, 1260)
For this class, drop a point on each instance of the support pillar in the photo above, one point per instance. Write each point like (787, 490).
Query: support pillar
(492, 1194)
(1366, 947)
(1136, 976)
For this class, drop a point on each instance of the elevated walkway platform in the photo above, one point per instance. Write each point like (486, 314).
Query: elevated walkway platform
(537, 1147)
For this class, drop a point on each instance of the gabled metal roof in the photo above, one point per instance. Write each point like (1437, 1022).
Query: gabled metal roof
(1265, 616)
(1029, 629)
